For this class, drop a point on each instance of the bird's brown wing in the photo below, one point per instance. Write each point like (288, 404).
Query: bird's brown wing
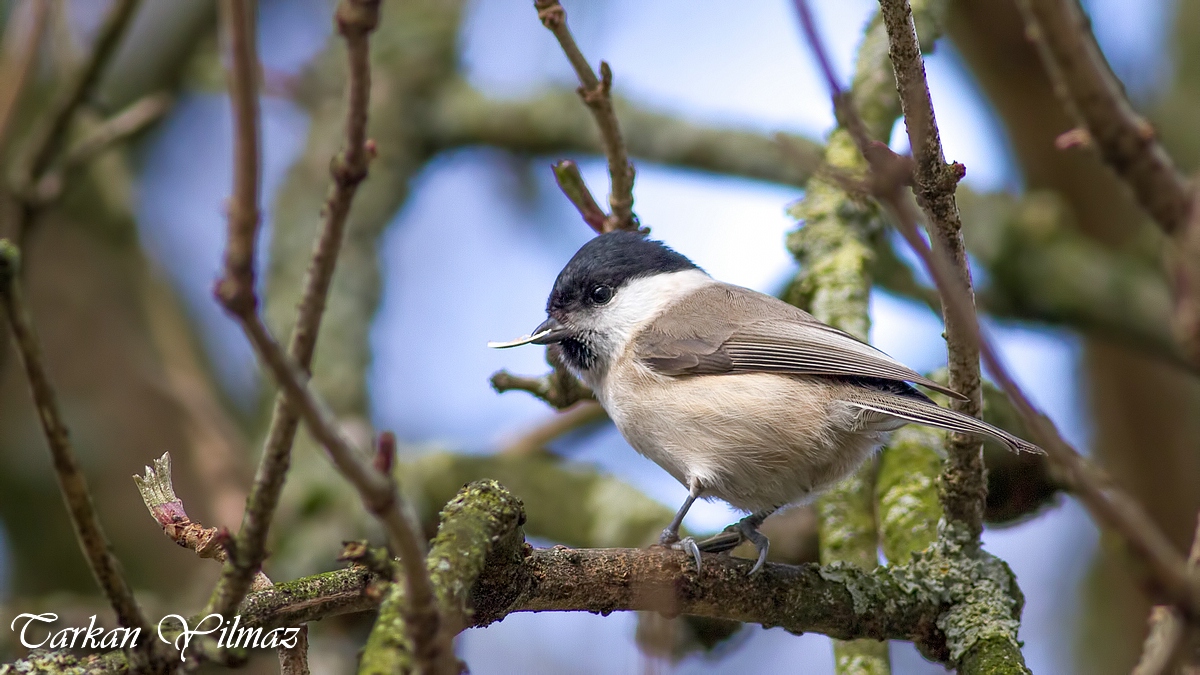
(721, 329)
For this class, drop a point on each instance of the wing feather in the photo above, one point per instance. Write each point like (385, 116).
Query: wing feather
(930, 414)
(721, 329)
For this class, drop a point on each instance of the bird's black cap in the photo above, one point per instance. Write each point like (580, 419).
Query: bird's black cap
(613, 259)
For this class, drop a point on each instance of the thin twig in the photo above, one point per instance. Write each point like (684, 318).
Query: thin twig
(890, 174)
(136, 117)
(558, 425)
(1089, 90)
(158, 493)
(236, 288)
(71, 481)
(1187, 285)
(597, 95)
(49, 138)
(376, 487)
(964, 488)
(16, 75)
(1165, 646)
(356, 20)
(570, 181)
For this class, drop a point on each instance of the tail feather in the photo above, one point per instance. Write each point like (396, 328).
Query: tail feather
(930, 414)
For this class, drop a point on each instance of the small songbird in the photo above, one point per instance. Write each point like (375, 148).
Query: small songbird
(738, 395)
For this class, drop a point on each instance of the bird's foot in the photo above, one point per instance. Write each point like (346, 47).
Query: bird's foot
(745, 529)
(688, 545)
(670, 539)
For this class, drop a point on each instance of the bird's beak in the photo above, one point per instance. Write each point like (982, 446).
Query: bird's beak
(550, 332)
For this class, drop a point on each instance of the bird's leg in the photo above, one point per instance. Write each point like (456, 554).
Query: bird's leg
(670, 535)
(745, 529)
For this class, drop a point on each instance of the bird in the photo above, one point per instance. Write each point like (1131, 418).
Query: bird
(739, 395)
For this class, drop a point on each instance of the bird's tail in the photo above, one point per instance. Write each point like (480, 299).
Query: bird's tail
(930, 414)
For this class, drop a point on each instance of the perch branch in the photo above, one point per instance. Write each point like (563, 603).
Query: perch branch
(914, 602)
(1084, 81)
(71, 481)
(963, 486)
(597, 95)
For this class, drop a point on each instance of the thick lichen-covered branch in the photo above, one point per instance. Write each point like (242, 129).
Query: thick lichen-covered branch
(480, 525)
(949, 603)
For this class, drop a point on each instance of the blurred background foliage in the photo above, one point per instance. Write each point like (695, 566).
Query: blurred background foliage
(455, 239)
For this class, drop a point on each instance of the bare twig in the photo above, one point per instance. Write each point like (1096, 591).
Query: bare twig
(237, 294)
(597, 95)
(963, 486)
(570, 181)
(560, 424)
(356, 20)
(1090, 92)
(16, 74)
(115, 129)
(158, 493)
(71, 481)
(558, 387)
(1187, 285)
(236, 288)
(49, 138)
(1165, 646)
(890, 173)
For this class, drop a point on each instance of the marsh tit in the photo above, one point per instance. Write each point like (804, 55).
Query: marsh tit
(737, 394)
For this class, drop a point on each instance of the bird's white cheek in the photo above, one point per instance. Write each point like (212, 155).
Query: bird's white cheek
(640, 300)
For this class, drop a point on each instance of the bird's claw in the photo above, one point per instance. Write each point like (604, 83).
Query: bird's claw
(688, 545)
(734, 535)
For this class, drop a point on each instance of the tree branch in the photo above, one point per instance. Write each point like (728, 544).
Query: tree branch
(49, 138)
(890, 173)
(356, 20)
(126, 123)
(553, 123)
(237, 294)
(71, 481)
(16, 75)
(1187, 285)
(1090, 92)
(964, 489)
(597, 95)
(158, 493)
(480, 539)
(235, 290)
(570, 181)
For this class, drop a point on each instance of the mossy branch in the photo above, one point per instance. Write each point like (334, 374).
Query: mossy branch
(955, 606)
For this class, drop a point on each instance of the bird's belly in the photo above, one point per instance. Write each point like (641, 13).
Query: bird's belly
(757, 441)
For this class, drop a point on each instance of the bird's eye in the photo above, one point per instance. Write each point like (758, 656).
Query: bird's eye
(600, 294)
